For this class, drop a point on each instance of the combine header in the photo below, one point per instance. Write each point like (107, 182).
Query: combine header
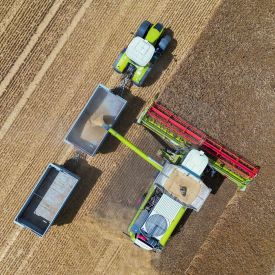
(179, 134)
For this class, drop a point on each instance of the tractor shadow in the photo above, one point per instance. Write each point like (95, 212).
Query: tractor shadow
(163, 62)
(88, 178)
(126, 119)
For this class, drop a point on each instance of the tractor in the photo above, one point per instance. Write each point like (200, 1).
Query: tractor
(136, 61)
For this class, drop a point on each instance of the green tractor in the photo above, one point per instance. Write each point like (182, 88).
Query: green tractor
(136, 61)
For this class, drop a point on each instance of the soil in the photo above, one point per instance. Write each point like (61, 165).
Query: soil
(226, 88)
(220, 77)
(53, 55)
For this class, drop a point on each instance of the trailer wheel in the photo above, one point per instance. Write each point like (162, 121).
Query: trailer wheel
(143, 29)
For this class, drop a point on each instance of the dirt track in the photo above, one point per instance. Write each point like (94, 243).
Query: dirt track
(53, 54)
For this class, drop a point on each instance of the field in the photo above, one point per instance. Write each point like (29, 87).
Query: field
(220, 64)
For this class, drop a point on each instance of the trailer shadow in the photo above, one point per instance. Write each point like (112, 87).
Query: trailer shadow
(126, 119)
(88, 178)
(163, 62)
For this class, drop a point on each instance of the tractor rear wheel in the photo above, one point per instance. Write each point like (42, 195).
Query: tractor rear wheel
(164, 42)
(117, 60)
(143, 29)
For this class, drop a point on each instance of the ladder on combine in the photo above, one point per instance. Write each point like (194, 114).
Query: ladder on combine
(179, 133)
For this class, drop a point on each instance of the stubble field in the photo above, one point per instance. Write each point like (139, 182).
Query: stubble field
(218, 74)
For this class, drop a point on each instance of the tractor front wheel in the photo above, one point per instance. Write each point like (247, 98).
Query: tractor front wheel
(143, 29)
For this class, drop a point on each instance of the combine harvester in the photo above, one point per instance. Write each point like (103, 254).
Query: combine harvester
(178, 185)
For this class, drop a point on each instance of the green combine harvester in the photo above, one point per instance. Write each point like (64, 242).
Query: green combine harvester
(178, 185)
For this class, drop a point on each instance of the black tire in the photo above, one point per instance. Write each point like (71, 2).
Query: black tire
(164, 42)
(143, 29)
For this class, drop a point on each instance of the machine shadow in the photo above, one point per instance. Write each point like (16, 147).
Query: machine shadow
(163, 62)
(182, 222)
(126, 119)
(88, 178)
(212, 181)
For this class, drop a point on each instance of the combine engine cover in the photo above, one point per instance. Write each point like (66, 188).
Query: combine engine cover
(156, 219)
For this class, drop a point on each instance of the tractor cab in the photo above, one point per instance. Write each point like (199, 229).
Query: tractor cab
(140, 51)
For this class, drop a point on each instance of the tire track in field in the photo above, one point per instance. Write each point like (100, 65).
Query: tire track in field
(18, 33)
(4, 8)
(43, 70)
(9, 15)
(37, 56)
(9, 242)
(21, 59)
(26, 260)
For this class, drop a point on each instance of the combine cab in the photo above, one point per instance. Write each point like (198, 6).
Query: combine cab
(179, 134)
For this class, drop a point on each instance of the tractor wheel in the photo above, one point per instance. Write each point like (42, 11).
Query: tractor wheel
(117, 60)
(164, 42)
(141, 83)
(143, 29)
